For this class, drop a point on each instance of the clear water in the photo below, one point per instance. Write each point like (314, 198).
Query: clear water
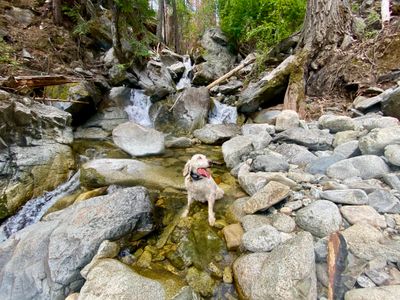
(138, 111)
(222, 114)
(185, 81)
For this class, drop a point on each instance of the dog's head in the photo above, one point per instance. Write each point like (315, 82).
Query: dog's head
(198, 161)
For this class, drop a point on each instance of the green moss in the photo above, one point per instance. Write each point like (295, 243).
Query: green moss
(91, 178)
(58, 91)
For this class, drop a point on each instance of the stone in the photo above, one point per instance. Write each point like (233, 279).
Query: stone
(262, 239)
(176, 70)
(178, 142)
(111, 279)
(371, 121)
(108, 171)
(336, 123)
(365, 166)
(321, 250)
(283, 222)
(364, 282)
(346, 136)
(229, 88)
(216, 134)
(235, 211)
(138, 140)
(200, 281)
(320, 218)
(384, 202)
(363, 103)
(377, 139)
(247, 270)
(287, 119)
(288, 272)
(367, 242)
(390, 105)
(270, 162)
(250, 222)
(227, 276)
(322, 274)
(321, 164)
(386, 292)
(349, 196)
(234, 149)
(347, 149)
(260, 141)
(296, 154)
(313, 139)
(392, 153)
(392, 180)
(378, 277)
(268, 196)
(363, 214)
(61, 246)
(22, 16)
(254, 129)
(233, 235)
(266, 116)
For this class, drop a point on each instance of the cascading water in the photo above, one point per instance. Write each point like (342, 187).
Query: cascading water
(138, 111)
(185, 81)
(35, 208)
(222, 114)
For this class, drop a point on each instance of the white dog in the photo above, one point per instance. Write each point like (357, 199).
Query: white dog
(200, 185)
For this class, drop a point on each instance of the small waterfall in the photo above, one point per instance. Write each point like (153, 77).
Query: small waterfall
(35, 208)
(138, 111)
(222, 114)
(185, 81)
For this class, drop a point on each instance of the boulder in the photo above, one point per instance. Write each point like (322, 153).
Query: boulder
(101, 172)
(138, 140)
(346, 136)
(262, 239)
(295, 154)
(347, 149)
(363, 103)
(250, 222)
(371, 121)
(313, 139)
(363, 214)
(21, 16)
(234, 149)
(111, 279)
(191, 110)
(270, 162)
(233, 236)
(392, 153)
(287, 119)
(216, 134)
(365, 166)
(336, 123)
(43, 261)
(321, 164)
(377, 139)
(350, 196)
(390, 292)
(283, 222)
(254, 129)
(266, 116)
(320, 218)
(384, 202)
(267, 196)
(229, 88)
(178, 142)
(391, 104)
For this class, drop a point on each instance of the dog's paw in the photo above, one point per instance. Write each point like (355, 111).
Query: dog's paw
(211, 220)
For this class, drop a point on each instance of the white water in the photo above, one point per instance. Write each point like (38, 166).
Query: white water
(185, 81)
(35, 208)
(138, 111)
(222, 114)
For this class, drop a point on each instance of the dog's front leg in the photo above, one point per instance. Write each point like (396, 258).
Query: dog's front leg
(211, 216)
(186, 211)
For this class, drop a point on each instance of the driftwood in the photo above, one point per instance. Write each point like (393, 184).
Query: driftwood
(246, 62)
(35, 81)
(60, 100)
(337, 255)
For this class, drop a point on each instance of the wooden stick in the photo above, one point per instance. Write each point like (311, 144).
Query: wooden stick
(60, 100)
(36, 81)
(231, 72)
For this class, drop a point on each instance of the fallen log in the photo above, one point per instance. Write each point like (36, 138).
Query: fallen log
(337, 256)
(246, 62)
(35, 81)
(60, 100)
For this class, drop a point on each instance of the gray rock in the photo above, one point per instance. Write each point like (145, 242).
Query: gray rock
(365, 103)
(101, 172)
(260, 141)
(250, 222)
(191, 111)
(234, 149)
(178, 142)
(390, 105)
(365, 166)
(138, 140)
(235, 211)
(392, 180)
(269, 195)
(295, 154)
(287, 119)
(320, 218)
(321, 250)
(216, 134)
(322, 274)
(363, 214)
(110, 59)
(288, 272)
(336, 123)
(176, 70)
(262, 239)
(271, 162)
(22, 16)
(365, 282)
(367, 185)
(392, 153)
(351, 196)
(320, 165)
(391, 292)
(61, 246)
(346, 136)
(266, 116)
(378, 277)
(251, 129)
(283, 222)
(384, 202)
(371, 121)
(91, 133)
(348, 149)
(367, 242)
(377, 139)
(313, 139)
(229, 88)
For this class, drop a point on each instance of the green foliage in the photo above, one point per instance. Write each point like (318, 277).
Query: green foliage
(6, 54)
(82, 27)
(262, 23)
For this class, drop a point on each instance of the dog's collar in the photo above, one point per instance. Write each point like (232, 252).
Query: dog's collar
(196, 177)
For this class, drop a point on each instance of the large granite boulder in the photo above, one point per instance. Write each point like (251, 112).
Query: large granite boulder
(216, 134)
(43, 261)
(376, 140)
(234, 149)
(313, 139)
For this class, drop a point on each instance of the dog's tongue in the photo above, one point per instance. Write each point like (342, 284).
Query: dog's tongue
(203, 172)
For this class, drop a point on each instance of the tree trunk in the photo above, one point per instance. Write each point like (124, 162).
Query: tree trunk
(57, 14)
(326, 24)
(161, 21)
(175, 26)
(115, 30)
(385, 12)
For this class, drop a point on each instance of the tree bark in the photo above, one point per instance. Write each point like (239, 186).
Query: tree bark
(161, 21)
(57, 14)
(115, 30)
(175, 26)
(385, 12)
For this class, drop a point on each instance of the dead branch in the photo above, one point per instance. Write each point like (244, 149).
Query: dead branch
(35, 81)
(60, 100)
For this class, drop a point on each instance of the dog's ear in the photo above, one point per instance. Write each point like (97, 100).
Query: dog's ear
(186, 169)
